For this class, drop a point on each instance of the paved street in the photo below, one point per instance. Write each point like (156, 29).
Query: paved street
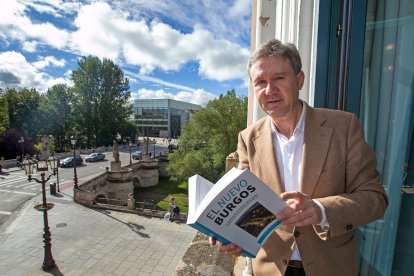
(15, 189)
(85, 241)
(89, 241)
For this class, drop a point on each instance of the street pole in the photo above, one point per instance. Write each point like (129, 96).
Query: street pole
(57, 175)
(75, 177)
(22, 148)
(48, 261)
(130, 159)
(21, 142)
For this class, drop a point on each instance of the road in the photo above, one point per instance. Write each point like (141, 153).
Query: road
(15, 189)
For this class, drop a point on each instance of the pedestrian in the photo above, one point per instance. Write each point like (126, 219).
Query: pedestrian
(317, 161)
(172, 209)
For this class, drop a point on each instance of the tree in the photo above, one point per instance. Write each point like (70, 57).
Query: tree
(102, 94)
(57, 113)
(10, 146)
(4, 112)
(208, 138)
(23, 110)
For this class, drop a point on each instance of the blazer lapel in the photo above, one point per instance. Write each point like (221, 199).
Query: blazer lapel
(266, 156)
(315, 148)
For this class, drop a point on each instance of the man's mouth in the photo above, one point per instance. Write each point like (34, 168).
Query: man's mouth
(274, 101)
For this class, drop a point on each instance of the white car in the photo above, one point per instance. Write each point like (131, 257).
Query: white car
(137, 155)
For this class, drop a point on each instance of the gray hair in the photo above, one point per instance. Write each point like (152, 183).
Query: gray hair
(276, 48)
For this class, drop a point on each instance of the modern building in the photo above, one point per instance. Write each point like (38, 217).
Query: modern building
(357, 56)
(162, 117)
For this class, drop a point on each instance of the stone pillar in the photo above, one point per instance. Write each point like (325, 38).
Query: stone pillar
(131, 201)
(232, 161)
(115, 166)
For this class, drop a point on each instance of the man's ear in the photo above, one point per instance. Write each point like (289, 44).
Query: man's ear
(300, 78)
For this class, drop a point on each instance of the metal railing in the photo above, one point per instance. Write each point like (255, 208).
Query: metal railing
(113, 202)
(148, 205)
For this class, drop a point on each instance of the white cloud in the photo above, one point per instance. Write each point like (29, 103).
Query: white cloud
(57, 8)
(16, 25)
(199, 96)
(156, 45)
(96, 35)
(159, 81)
(48, 61)
(131, 32)
(29, 46)
(17, 72)
(240, 9)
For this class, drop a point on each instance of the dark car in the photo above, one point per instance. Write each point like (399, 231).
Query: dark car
(137, 155)
(68, 162)
(93, 157)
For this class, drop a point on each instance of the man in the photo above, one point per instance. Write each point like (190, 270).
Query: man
(319, 163)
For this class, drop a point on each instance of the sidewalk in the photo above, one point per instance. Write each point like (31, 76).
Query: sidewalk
(89, 241)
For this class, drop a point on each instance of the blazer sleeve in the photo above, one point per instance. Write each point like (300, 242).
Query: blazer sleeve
(364, 199)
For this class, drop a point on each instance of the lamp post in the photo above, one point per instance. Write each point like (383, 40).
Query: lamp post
(130, 159)
(42, 167)
(75, 177)
(21, 142)
(55, 168)
(154, 146)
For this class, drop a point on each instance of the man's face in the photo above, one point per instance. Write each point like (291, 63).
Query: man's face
(276, 86)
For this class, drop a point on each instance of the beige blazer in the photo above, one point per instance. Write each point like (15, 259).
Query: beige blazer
(338, 169)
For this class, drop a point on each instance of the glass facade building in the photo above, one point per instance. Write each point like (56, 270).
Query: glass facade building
(162, 117)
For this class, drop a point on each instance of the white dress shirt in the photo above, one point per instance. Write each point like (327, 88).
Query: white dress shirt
(289, 160)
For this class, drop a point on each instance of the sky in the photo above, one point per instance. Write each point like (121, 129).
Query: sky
(187, 50)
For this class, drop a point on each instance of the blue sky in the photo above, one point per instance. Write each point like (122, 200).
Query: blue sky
(188, 50)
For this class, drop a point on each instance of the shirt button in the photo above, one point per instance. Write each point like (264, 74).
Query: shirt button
(296, 234)
(285, 262)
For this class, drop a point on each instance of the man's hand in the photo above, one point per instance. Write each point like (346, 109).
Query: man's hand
(229, 249)
(301, 210)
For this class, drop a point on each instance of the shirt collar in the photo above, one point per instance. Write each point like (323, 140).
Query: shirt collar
(300, 125)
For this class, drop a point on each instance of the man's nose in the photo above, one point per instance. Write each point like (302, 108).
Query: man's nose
(270, 88)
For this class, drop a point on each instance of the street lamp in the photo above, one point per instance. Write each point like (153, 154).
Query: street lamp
(55, 164)
(130, 159)
(154, 146)
(42, 167)
(21, 142)
(75, 177)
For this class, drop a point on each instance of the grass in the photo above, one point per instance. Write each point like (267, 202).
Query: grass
(161, 193)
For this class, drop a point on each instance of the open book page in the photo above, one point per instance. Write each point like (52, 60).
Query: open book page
(198, 187)
(239, 208)
(216, 189)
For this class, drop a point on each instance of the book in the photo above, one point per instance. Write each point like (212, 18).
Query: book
(238, 209)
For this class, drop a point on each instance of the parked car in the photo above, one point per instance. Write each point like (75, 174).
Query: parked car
(93, 157)
(68, 162)
(137, 155)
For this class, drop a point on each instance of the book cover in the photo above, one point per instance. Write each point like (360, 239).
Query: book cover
(238, 209)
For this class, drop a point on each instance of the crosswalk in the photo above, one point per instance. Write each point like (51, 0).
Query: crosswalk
(18, 183)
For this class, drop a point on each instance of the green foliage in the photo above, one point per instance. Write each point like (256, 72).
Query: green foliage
(10, 146)
(57, 113)
(102, 94)
(4, 112)
(161, 193)
(209, 137)
(23, 110)
(51, 146)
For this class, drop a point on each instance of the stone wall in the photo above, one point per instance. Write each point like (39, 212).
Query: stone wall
(147, 174)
